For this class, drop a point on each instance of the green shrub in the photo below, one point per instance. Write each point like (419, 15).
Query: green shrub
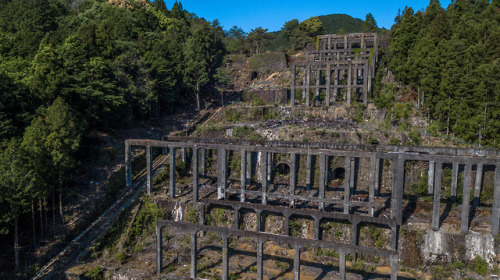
(480, 265)
(121, 257)
(145, 220)
(95, 274)
(415, 137)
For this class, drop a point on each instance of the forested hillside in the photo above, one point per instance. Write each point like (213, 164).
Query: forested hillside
(68, 69)
(451, 60)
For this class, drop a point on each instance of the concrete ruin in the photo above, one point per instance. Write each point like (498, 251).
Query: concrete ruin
(462, 160)
(341, 65)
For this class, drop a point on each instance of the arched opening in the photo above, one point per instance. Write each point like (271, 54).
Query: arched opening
(283, 168)
(254, 76)
(339, 173)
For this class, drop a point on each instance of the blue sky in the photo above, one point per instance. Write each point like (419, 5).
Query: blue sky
(273, 14)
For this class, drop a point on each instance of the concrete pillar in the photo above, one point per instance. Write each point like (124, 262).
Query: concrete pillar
(353, 174)
(398, 169)
(236, 217)
(349, 83)
(296, 263)
(477, 186)
(454, 181)
(304, 82)
(466, 198)
(203, 163)
(374, 172)
(347, 185)
(394, 267)
(293, 177)
(249, 167)
(437, 196)
(195, 174)
(149, 167)
(345, 42)
(394, 238)
(292, 89)
(328, 83)
(318, 81)
(335, 84)
(430, 178)
(342, 275)
(225, 257)
(202, 213)
(369, 86)
(260, 263)
(172, 172)
(264, 177)
(495, 223)
(221, 173)
(365, 84)
(322, 179)
(355, 236)
(362, 41)
(308, 82)
(329, 43)
(317, 228)
(159, 249)
(269, 168)
(286, 224)
(184, 154)
(194, 254)
(258, 220)
(128, 165)
(243, 180)
(308, 171)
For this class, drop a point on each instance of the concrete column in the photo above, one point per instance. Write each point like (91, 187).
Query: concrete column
(328, 83)
(394, 238)
(335, 84)
(345, 42)
(304, 82)
(308, 83)
(374, 171)
(317, 228)
(286, 224)
(365, 84)
(249, 167)
(292, 89)
(342, 275)
(398, 168)
(466, 197)
(362, 41)
(347, 185)
(128, 165)
(195, 174)
(430, 178)
(437, 196)
(308, 171)
(293, 177)
(353, 173)
(184, 154)
(202, 213)
(159, 251)
(260, 263)
(269, 168)
(194, 254)
(236, 217)
(322, 179)
(221, 173)
(349, 82)
(264, 177)
(296, 263)
(149, 167)
(225, 258)
(258, 220)
(203, 163)
(243, 180)
(318, 81)
(369, 86)
(329, 43)
(394, 267)
(477, 186)
(355, 233)
(172, 172)
(454, 181)
(495, 223)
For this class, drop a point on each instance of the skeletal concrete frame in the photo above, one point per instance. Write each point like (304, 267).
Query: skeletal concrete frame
(261, 238)
(435, 156)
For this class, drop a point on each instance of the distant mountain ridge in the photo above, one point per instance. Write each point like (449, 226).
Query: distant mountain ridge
(331, 25)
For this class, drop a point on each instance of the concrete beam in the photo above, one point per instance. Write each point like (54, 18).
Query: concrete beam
(264, 183)
(225, 257)
(328, 84)
(221, 173)
(308, 171)
(203, 163)
(342, 274)
(430, 178)
(296, 263)
(194, 254)
(374, 172)
(260, 262)
(159, 248)
(293, 176)
(322, 179)
(347, 184)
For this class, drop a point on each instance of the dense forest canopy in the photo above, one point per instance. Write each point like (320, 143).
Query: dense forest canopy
(452, 58)
(69, 68)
